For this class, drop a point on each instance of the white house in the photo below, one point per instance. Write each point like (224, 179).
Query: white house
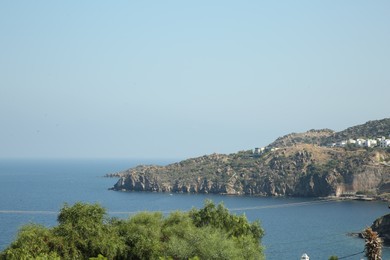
(360, 142)
(259, 150)
(384, 142)
(381, 142)
(342, 143)
(370, 143)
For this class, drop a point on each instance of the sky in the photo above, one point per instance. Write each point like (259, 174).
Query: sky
(179, 79)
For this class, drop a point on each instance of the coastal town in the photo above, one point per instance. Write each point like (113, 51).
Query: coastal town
(380, 142)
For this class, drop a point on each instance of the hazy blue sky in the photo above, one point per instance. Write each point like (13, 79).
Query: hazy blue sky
(177, 79)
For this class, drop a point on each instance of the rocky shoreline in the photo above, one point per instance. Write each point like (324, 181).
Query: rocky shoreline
(296, 165)
(299, 171)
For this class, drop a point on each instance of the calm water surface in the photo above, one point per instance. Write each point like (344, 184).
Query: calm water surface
(35, 190)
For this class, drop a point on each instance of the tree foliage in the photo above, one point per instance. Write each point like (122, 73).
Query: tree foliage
(85, 232)
(219, 217)
(373, 245)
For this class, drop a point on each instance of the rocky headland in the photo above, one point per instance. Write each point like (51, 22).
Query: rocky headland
(382, 227)
(298, 164)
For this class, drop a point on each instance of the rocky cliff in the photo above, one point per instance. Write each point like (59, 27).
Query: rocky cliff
(299, 166)
(382, 226)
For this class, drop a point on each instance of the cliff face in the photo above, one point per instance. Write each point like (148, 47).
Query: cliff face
(297, 164)
(300, 170)
(382, 226)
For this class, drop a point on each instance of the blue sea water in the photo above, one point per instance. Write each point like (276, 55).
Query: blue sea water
(35, 190)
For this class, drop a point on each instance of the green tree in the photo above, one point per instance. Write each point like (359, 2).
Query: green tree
(219, 217)
(142, 235)
(237, 228)
(184, 240)
(33, 242)
(82, 232)
(85, 232)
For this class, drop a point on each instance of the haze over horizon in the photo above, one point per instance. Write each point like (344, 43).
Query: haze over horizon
(178, 79)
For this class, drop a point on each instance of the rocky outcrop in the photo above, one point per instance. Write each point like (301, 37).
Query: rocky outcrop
(382, 227)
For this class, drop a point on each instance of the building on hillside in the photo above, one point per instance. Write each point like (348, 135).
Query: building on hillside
(360, 142)
(259, 151)
(341, 143)
(384, 142)
(381, 142)
(370, 143)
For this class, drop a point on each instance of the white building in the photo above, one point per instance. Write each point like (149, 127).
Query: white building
(259, 150)
(381, 142)
(370, 143)
(342, 143)
(384, 142)
(360, 142)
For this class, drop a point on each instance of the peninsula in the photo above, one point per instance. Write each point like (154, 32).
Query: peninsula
(318, 163)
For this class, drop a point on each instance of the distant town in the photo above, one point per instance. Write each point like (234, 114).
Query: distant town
(381, 142)
(378, 142)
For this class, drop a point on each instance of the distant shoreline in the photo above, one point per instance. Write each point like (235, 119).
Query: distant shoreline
(365, 198)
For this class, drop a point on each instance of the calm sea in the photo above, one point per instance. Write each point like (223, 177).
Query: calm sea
(34, 191)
